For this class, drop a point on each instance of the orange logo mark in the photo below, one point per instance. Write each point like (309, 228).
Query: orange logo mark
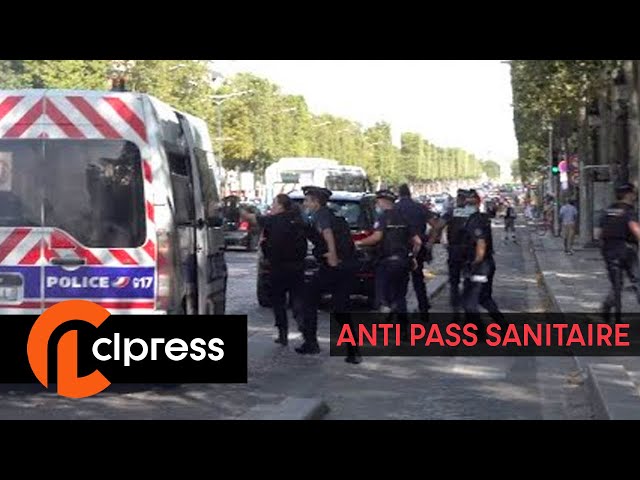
(69, 384)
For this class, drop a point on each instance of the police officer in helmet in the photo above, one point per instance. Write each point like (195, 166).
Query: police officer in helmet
(398, 243)
(620, 233)
(480, 266)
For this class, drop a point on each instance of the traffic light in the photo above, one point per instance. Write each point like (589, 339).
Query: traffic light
(555, 170)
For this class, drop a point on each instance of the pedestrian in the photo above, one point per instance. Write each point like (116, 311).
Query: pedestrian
(284, 246)
(480, 268)
(620, 233)
(417, 218)
(528, 211)
(398, 243)
(509, 222)
(335, 251)
(568, 216)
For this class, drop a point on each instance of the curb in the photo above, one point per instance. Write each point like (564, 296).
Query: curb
(614, 394)
(545, 281)
(291, 408)
(611, 391)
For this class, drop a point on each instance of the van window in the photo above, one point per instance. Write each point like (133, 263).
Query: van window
(20, 190)
(93, 190)
(181, 184)
(209, 188)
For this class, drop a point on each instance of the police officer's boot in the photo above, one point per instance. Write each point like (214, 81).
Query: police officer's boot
(353, 355)
(283, 336)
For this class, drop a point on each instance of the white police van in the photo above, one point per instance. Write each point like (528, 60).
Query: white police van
(109, 197)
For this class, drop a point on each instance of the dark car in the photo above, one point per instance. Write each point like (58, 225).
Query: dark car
(238, 232)
(359, 211)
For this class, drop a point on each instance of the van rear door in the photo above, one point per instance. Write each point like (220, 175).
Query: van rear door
(97, 216)
(21, 235)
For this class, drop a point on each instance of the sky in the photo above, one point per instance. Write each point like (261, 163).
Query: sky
(452, 103)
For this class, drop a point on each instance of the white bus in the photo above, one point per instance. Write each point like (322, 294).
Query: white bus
(289, 174)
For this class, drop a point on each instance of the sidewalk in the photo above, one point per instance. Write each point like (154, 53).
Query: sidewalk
(579, 284)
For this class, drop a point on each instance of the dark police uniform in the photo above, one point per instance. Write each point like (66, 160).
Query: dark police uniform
(417, 217)
(394, 262)
(457, 250)
(478, 282)
(336, 281)
(282, 234)
(620, 252)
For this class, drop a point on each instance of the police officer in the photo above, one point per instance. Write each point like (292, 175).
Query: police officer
(336, 270)
(620, 235)
(284, 245)
(398, 243)
(480, 266)
(457, 248)
(417, 217)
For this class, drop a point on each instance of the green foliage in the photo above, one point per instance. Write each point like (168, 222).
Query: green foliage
(261, 125)
(548, 94)
(491, 168)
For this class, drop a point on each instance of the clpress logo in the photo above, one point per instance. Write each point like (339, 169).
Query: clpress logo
(149, 349)
(69, 384)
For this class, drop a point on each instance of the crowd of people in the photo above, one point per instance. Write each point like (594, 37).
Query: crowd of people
(404, 235)
(403, 243)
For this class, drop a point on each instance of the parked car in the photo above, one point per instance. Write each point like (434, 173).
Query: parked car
(238, 232)
(359, 211)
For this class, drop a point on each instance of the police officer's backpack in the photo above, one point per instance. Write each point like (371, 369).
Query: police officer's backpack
(286, 241)
(345, 248)
(395, 239)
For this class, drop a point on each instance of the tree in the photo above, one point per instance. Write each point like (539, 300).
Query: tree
(412, 156)
(546, 92)
(67, 74)
(491, 169)
(11, 72)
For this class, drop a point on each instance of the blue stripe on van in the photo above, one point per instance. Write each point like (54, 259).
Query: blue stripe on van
(31, 279)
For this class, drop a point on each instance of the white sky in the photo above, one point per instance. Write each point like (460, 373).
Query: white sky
(452, 103)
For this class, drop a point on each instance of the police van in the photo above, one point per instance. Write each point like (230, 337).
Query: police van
(110, 197)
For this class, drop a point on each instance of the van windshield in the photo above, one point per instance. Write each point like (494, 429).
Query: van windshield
(91, 189)
(346, 183)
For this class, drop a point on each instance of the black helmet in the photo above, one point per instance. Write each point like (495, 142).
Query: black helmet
(387, 195)
(319, 192)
